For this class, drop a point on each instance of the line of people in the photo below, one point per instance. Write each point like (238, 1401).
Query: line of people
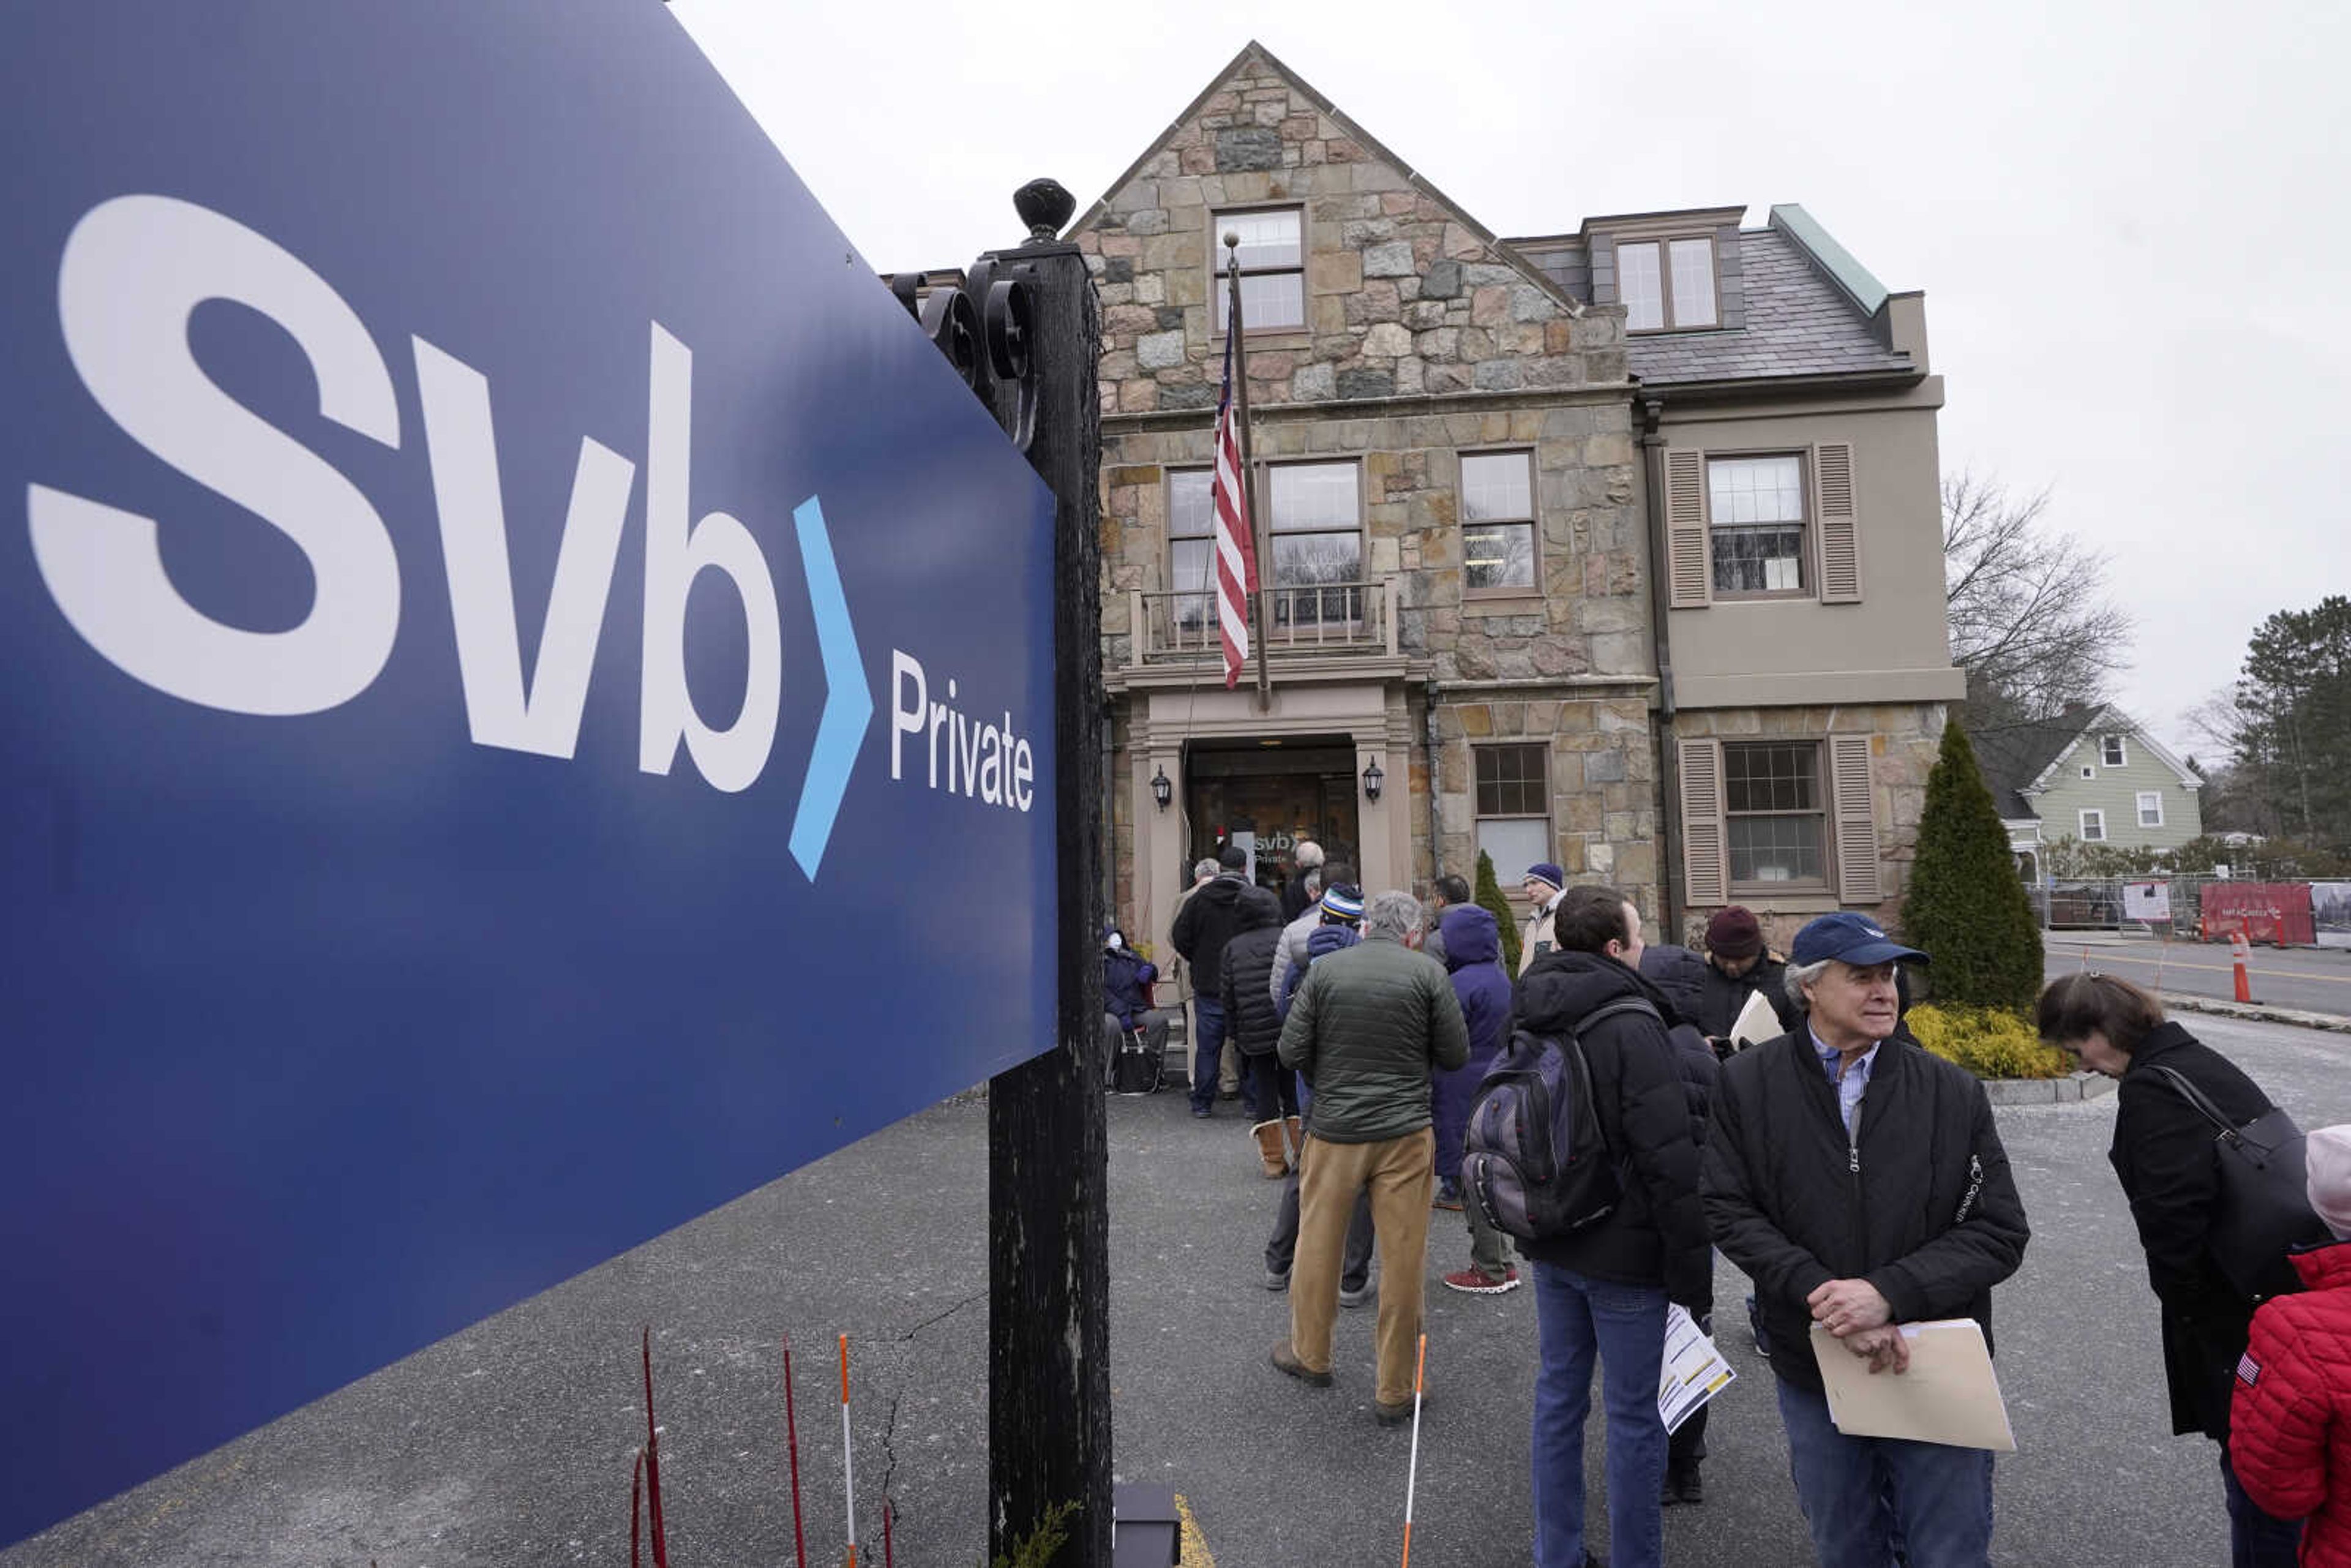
(1858, 1181)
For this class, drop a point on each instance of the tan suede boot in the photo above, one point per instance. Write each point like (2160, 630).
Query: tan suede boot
(1269, 1149)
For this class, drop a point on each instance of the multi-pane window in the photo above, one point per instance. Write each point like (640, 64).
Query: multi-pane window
(1775, 812)
(1757, 517)
(1498, 519)
(2094, 827)
(1272, 253)
(1317, 517)
(1667, 285)
(1318, 544)
(2150, 808)
(1191, 546)
(1513, 807)
(2111, 750)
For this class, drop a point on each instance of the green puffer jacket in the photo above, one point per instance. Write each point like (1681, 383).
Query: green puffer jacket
(1367, 1026)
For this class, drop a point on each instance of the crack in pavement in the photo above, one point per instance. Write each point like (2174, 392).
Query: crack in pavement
(890, 1422)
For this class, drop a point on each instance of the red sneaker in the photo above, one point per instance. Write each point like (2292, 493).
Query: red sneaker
(1478, 1282)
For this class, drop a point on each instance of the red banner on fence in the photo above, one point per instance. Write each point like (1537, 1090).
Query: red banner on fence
(2278, 913)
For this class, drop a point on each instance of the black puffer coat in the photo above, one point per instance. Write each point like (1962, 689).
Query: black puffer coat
(1720, 997)
(1656, 1233)
(1918, 1200)
(1679, 974)
(1250, 1021)
(1213, 917)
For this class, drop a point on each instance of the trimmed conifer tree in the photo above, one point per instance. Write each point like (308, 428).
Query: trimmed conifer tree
(1491, 897)
(1966, 908)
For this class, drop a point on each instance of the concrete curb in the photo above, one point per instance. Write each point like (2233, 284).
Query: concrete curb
(2257, 1012)
(2069, 1090)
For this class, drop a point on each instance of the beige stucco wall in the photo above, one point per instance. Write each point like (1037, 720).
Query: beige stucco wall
(1893, 645)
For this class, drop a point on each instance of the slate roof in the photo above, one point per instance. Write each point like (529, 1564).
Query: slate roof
(1798, 324)
(2013, 755)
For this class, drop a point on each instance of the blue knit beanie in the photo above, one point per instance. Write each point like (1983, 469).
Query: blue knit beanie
(1344, 902)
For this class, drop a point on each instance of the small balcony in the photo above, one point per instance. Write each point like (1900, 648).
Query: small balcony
(1326, 620)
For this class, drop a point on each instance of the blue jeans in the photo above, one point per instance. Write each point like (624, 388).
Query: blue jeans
(1941, 1495)
(1208, 1044)
(2257, 1540)
(1624, 1327)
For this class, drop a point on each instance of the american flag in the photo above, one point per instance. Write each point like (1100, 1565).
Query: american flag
(1235, 546)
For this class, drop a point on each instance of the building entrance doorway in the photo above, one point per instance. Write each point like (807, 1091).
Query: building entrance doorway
(1270, 795)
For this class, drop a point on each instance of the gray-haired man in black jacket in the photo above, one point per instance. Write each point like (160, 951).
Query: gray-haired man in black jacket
(1861, 1182)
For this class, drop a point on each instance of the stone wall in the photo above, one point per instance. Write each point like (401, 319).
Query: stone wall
(1604, 792)
(1905, 740)
(1403, 294)
(1589, 612)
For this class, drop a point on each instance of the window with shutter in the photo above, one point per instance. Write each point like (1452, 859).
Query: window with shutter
(1705, 869)
(1686, 545)
(1840, 540)
(1857, 820)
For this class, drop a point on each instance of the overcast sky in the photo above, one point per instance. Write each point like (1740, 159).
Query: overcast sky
(2126, 217)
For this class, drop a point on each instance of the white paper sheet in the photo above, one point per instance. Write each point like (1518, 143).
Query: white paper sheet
(1948, 1396)
(1694, 1371)
(1757, 1023)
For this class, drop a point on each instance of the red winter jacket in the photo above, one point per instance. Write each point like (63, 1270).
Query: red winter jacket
(2291, 1441)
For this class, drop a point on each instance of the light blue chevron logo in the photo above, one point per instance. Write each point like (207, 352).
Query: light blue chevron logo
(847, 701)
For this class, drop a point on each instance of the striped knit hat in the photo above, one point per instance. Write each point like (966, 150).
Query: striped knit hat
(1344, 902)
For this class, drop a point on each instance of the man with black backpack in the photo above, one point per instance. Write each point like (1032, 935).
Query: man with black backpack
(1601, 1288)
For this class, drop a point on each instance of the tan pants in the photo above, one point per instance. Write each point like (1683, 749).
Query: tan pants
(1399, 1174)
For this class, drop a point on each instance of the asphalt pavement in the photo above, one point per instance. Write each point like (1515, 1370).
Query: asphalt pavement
(510, 1444)
(2309, 979)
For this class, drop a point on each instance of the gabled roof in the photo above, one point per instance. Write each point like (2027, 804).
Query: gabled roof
(1256, 54)
(1798, 323)
(1806, 308)
(2014, 756)
(2019, 760)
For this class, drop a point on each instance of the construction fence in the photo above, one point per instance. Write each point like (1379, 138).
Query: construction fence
(2201, 908)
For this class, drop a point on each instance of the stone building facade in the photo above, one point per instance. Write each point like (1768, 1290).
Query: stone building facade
(1464, 582)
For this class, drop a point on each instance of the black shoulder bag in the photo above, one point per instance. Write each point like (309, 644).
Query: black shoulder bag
(2264, 1209)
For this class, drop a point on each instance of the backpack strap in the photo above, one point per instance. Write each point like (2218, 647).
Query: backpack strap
(1620, 1006)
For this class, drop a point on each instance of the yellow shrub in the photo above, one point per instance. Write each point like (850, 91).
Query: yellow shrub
(1989, 1042)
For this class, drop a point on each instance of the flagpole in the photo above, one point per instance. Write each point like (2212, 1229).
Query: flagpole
(1260, 542)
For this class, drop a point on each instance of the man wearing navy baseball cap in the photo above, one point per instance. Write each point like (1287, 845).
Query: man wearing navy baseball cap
(1860, 1183)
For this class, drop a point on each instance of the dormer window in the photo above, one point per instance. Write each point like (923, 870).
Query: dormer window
(2111, 750)
(1667, 285)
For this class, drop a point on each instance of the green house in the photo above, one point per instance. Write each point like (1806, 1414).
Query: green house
(2091, 773)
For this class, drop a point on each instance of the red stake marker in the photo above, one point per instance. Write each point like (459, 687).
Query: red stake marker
(792, 1445)
(653, 1461)
(636, 1501)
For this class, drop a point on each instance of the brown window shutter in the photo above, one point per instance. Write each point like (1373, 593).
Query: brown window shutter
(1686, 551)
(1856, 822)
(1840, 544)
(1705, 864)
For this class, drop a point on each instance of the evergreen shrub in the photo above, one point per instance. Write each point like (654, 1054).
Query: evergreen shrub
(1966, 908)
(1491, 897)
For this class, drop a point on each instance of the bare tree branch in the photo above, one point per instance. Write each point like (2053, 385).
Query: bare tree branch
(2029, 620)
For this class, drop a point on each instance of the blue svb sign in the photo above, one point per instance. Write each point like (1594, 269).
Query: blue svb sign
(526, 696)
